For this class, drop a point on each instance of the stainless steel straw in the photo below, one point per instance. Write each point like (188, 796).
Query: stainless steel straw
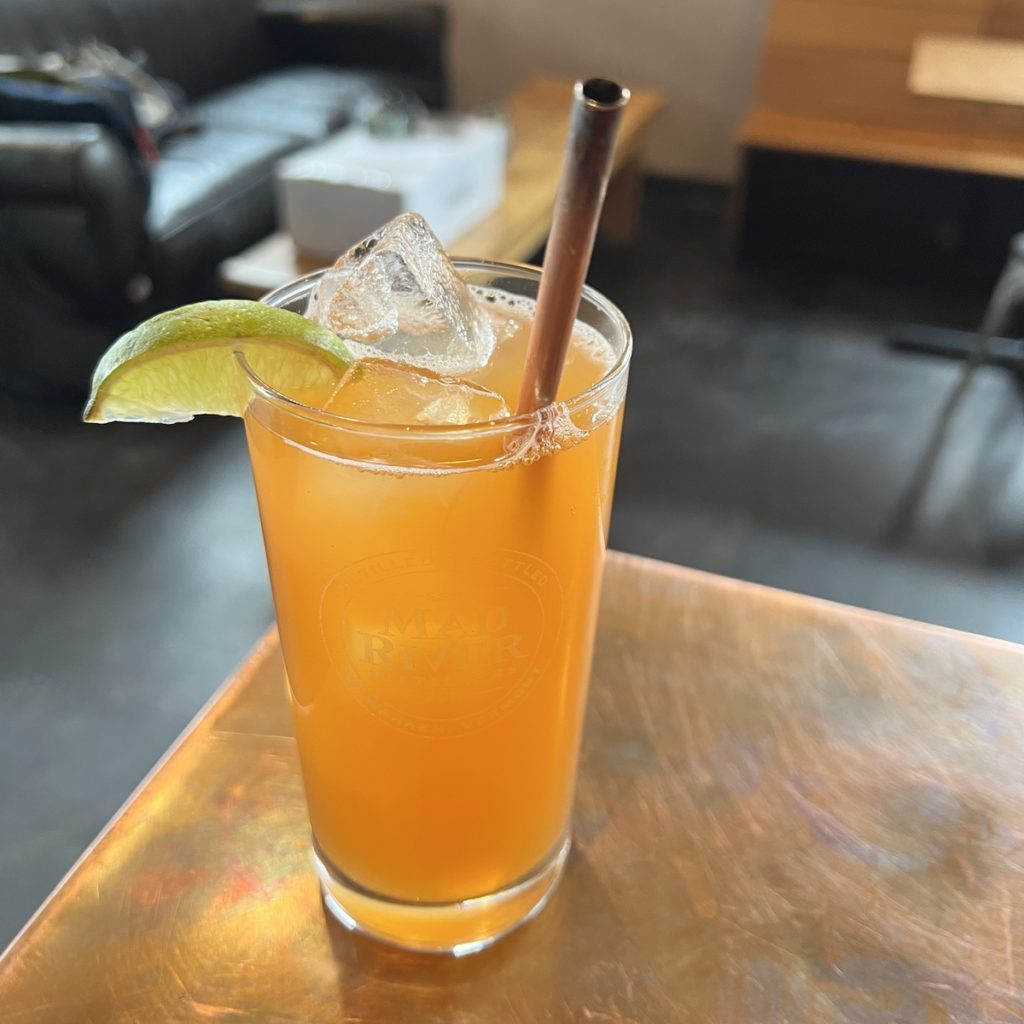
(596, 113)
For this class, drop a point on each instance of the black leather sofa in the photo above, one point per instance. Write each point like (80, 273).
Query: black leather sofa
(88, 244)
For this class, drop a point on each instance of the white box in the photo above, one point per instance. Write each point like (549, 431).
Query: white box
(450, 169)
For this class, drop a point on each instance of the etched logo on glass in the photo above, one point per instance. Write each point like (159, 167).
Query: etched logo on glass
(440, 645)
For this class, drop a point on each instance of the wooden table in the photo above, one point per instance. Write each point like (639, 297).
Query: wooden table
(538, 117)
(922, 83)
(788, 810)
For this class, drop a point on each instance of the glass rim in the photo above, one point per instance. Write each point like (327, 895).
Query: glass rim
(321, 417)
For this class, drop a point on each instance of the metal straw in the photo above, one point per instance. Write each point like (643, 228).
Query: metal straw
(596, 113)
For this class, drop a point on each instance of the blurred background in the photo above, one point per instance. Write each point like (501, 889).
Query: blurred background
(815, 211)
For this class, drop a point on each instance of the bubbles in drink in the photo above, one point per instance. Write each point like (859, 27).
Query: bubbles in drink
(397, 295)
(589, 356)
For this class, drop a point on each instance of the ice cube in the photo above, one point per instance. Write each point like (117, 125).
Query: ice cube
(397, 293)
(378, 392)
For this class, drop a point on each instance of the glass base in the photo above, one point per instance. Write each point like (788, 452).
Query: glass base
(454, 928)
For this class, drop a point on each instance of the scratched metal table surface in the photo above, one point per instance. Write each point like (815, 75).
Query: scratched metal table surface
(788, 811)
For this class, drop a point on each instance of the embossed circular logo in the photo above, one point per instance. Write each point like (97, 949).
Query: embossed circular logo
(441, 645)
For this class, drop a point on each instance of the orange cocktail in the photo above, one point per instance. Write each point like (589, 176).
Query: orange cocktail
(436, 590)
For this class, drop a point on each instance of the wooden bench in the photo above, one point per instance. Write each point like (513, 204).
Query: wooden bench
(912, 84)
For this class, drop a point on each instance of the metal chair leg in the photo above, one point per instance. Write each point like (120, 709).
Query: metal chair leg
(989, 344)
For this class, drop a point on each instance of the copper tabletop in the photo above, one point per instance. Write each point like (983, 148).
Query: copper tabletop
(788, 811)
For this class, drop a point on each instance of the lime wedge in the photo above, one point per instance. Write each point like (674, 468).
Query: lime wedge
(182, 363)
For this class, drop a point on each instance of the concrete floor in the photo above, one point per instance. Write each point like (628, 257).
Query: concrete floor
(771, 435)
